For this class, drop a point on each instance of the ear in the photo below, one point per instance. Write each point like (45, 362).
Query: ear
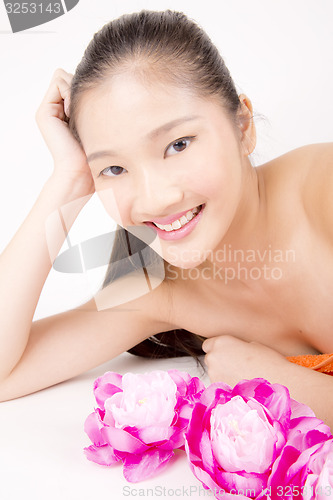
(246, 125)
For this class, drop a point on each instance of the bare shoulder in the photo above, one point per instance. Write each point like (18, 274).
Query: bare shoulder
(302, 163)
(317, 189)
(306, 175)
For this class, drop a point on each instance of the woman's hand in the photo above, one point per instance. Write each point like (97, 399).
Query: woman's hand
(230, 360)
(70, 161)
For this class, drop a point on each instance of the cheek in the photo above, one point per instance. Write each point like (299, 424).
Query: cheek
(214, 171)
(224, 179)
(213, 179)
(114, 204)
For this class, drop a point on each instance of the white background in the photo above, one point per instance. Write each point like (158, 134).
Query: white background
(279, 53)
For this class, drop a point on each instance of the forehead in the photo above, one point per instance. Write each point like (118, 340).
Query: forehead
(125, 104)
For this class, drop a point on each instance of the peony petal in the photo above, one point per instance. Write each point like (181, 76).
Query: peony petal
(206, 452)
(274, 397)
(105, 386)
(248, 387)
(309, 487)
(209, 484)
(104, 392)
(92, 427)
(195, 464)
(218, 392)
(195, 387)
(140, 467)
(112, 378)
(295, 467)
(152, 434)
(292, 477)
(300, 409)
(123, 441)
(278, 403)
(181, 379)
(242, 482)
(195, 428)
(176, 441)
(182, 422)
(304, 458)
(102, 455)
(305, 424)
(284, 469)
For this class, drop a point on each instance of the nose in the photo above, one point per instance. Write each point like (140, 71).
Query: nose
(157, 194)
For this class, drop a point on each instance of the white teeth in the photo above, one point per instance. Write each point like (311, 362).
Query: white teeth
(177, 224)
(159, 225)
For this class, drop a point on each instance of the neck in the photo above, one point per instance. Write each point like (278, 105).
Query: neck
(248, 228)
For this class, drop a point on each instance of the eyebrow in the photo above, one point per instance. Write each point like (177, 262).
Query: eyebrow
(151, 135)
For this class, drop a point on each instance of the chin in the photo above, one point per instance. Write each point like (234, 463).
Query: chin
(182, 263)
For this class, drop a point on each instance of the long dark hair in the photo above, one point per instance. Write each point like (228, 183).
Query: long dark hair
(167, 46)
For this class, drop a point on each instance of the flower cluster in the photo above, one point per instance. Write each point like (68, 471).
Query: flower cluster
(140, 419)
(254, 438)
(250, 441)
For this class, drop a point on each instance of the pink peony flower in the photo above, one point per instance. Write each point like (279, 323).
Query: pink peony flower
(140, 419)
(305, 467)
(319, 476)
(240, 441)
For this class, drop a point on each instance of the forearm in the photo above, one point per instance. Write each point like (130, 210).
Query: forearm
(25, 264)
(306, 386)
(309, 387)
(231, 360)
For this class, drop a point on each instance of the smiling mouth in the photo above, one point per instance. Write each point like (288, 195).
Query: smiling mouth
(181, 222)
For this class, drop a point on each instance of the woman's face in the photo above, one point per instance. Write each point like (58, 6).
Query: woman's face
(159, 155)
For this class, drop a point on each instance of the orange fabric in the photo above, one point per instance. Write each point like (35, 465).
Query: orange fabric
(321, 362)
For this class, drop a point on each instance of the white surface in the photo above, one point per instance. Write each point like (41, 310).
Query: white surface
(42, 441)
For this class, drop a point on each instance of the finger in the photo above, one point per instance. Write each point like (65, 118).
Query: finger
(54, 99)
(207, 345)
(59, 87)
(61, 73)
(66, 76)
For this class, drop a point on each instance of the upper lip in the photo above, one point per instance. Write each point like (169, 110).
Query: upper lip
(171, 218)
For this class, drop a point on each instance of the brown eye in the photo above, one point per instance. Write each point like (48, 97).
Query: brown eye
(178, 146)
(113, 171)
(116, 170)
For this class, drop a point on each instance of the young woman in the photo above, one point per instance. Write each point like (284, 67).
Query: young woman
(152, 122)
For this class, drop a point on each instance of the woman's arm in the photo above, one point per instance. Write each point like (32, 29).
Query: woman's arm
(230, 360)
(24, 266)
(27, 260)
(65, 345)
(43, 353)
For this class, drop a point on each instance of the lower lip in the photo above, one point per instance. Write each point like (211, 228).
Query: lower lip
(177, 234)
